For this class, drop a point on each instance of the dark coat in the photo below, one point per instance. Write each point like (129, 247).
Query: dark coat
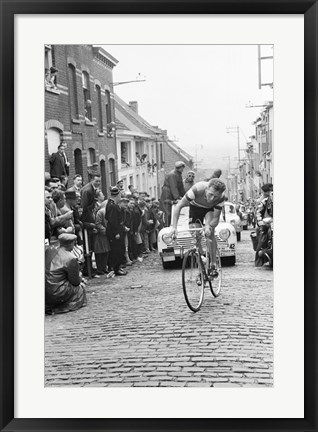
(101, 241)
(88, 195)
(114, 220)
(57, 165)
(172, 189)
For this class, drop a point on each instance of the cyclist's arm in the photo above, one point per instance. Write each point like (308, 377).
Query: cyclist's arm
(212, 218)
(176, 213)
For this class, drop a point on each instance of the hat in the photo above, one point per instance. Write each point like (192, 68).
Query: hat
(124, 199)
(66, 238)
(53, 69)
(179, 164)
(71, 195)
(120, 181)
(190, 172)
(114, 190)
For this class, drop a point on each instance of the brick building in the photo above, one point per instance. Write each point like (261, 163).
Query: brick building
(79, 110)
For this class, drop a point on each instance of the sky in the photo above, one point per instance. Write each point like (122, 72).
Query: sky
(196, 92)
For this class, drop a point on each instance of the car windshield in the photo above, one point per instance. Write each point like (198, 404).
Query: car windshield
(184, 217)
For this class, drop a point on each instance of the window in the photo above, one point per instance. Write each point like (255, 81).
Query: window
(112, 178)
(99, 102)
(50, 72)
(110, 123)
(53, 140)
(125, 152)
(78, 162)
(91, 157)
(140, 155)
(73, 91)
(161, 155)
(87, 96)
(108, 110)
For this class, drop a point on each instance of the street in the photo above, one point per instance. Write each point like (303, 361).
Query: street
(138, 331)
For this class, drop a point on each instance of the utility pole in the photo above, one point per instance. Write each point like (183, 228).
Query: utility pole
(260, 58)
(235, 129)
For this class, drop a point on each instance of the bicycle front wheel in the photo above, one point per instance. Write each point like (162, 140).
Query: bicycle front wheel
(192, 280)
(216, 283)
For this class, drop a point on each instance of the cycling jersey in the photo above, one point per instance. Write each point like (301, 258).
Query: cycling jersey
(197, 197)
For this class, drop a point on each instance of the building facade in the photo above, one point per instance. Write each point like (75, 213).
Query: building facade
(145, 153)
(80, 111)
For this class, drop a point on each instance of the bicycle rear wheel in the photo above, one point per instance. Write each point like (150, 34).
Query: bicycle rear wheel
(192, 280)
(216, 283)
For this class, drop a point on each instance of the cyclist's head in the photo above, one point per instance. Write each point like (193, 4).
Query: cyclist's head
(215, 188)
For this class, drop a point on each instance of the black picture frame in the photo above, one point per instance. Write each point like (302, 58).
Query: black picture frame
(8, 9)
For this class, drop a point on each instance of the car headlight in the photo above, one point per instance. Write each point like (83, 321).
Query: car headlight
(224, 234)
(167, 238)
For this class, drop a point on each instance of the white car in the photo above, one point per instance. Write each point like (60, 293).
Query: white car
(171, 250)
(233, 218)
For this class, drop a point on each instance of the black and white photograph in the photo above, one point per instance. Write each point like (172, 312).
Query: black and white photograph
(158, 173)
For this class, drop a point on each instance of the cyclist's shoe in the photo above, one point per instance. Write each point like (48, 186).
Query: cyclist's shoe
(212, 272)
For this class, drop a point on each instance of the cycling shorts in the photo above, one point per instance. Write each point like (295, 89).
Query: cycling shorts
(198, 213)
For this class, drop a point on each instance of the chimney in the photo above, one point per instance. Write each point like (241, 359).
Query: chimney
(134, 105)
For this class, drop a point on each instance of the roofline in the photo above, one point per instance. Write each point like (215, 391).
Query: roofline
(106, 54)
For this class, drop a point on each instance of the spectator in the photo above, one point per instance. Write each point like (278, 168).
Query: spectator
(65, 223)
(77, 184)
(120, 185)
(64, 286)
(216, 174)
(114, 232)
(88, 202)
(72, 204)
(102, 246)
(63, 183)
(188, 182)
(125, 222)
(172, 189)
(150, 230)
(136, 227)
(58, 163)
(157, 223)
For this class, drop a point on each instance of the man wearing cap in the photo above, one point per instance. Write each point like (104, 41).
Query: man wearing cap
(188, 182)
(114, 231)
(172, 189)
(71, 204)
(88, 198)
(64, 286)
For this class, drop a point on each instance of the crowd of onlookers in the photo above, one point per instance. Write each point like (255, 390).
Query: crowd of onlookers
(116, 231)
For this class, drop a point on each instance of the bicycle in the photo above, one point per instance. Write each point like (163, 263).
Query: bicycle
(195, 272)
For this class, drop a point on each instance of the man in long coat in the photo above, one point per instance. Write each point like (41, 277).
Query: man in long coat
(172, 190)
(57, 162)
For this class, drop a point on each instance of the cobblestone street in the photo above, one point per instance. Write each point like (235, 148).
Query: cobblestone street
(147, 336)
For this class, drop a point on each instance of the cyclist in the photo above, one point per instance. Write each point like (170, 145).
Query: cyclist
(206, 200)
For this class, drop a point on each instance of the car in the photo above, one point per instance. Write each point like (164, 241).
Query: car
(171, 251)
(233, 218)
